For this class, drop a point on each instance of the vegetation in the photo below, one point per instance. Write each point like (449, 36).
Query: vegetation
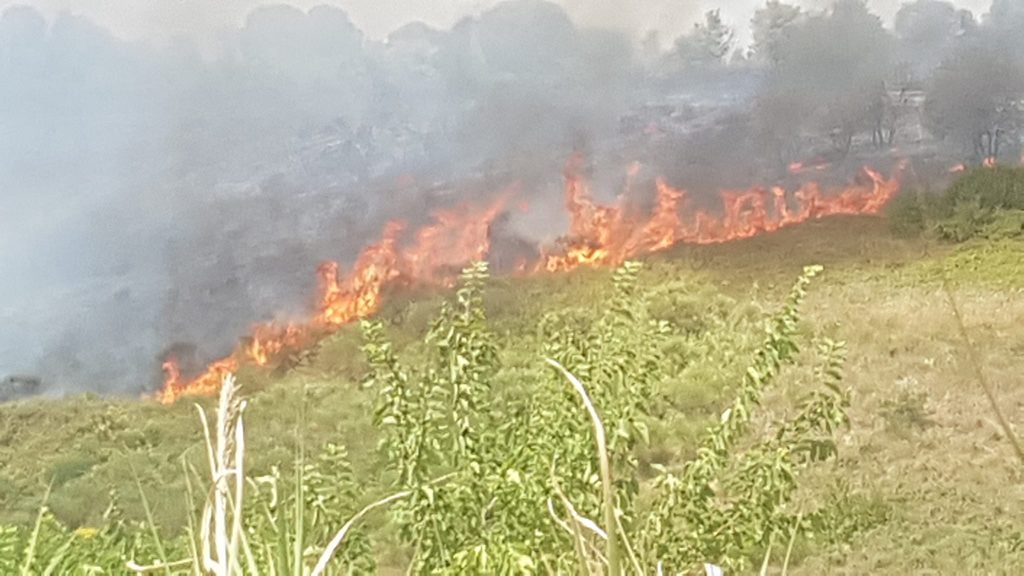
(984, 203)
(510, 457)
(473, 470)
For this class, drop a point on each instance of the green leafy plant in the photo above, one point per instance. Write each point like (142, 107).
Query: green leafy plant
(981, 203)
(486, 480)
(729, 501)
(542, 448)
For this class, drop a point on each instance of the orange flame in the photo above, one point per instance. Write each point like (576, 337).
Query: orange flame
(599, 235)
(456, 237)
(607, 235)
(270, 340)
(358, 295)
(801, 168)
(207, 384)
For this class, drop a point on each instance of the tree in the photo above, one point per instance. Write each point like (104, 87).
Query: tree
(1006, 20)
(927, 22)
(708, 43)
(976, 99)
(832, 67)
(525, 38)
(769, 27)
(928, 29)
(1005, 13)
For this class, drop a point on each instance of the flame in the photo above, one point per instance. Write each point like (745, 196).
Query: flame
(207, 384)
(599, 235)
(455, 237)
(608, 235)
(358, 295)
(801, 168)
(987, 162)
(172, 372)
(270, 340)
(662, 230)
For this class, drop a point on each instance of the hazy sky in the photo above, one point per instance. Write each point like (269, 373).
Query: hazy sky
(202, 19)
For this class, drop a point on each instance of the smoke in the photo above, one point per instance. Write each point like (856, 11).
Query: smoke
(154, 196)
(173, 172)
(207, 23)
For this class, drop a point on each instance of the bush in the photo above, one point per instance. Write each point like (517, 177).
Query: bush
(70, 467)
(1005, 226)
(906, 214)
(976, 201)
(981, 203)
(998, 188)
(541, 479)
(908, 409)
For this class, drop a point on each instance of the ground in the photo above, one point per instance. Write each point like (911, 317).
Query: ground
(924, 466)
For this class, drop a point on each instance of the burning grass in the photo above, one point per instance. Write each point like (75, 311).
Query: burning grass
(600, 235)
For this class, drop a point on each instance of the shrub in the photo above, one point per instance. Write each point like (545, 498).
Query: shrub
(908, 408)
(982, 202)
(906, 214)
(975, 202)
(846, 514)
(69, 467)
(545, 479)
(999, 188)
(478, 470)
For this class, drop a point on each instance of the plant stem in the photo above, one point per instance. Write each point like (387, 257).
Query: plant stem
(612, 546)
(336, 542)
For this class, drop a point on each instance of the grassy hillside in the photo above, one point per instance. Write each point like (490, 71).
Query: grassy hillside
(924, 480)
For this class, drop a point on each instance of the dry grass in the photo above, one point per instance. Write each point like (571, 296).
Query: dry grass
(955, 486)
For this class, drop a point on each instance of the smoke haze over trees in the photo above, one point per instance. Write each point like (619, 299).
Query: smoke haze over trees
(156, 194)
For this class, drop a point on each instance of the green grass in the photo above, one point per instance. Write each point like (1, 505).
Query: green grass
(939, 497)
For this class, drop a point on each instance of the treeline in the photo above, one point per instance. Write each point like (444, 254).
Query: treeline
(518, 78)
(840, 74)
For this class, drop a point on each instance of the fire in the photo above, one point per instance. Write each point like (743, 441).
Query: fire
(172, 373)
(801, 168)
(987, 162)
(609, 235)
(207, 384)
(599, 235)
(661, 231)
(358, 295)
(455, 237)
(269, 340)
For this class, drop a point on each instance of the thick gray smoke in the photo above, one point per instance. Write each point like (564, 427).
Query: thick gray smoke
(172, 193)
(154, 196)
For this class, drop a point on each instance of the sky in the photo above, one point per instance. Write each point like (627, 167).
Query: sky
(204, 20)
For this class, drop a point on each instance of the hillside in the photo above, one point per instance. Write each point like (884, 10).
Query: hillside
(923, 478)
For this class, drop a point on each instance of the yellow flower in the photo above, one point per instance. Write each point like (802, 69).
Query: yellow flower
(86, 532)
